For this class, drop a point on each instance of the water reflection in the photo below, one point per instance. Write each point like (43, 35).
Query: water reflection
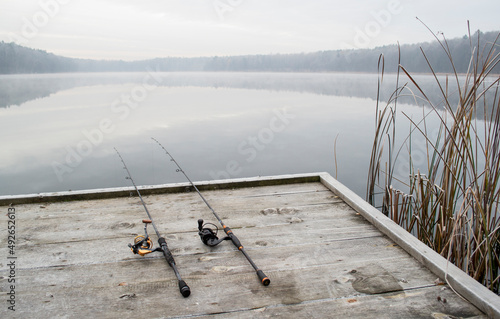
(61, 134)
(18, 89)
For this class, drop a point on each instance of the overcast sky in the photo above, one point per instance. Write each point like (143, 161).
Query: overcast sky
(132, 29)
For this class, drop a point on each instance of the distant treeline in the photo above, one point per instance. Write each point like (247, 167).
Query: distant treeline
(18, 59)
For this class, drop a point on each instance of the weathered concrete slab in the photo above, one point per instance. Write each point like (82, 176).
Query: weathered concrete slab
(323, 257)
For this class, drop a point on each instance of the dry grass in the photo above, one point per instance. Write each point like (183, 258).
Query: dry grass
(451, 202)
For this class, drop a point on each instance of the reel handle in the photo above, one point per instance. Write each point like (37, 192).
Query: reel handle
(147, 221)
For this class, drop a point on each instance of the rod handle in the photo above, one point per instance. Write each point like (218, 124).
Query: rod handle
(263, 278)
(233, 237)
(166, 251)
(184, 289)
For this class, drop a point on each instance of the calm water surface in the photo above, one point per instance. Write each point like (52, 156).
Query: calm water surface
(58, 131)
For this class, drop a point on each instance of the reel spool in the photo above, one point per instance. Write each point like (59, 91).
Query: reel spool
(143, 244)
(208, 236)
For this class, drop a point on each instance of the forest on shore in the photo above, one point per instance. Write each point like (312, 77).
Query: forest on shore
(16, 59)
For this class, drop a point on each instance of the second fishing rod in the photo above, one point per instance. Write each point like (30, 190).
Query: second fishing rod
(208, 236)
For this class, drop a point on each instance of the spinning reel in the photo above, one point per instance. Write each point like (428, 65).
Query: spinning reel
(208, 235)
(143, 244)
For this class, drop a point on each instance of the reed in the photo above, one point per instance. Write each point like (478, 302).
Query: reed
(451, 202)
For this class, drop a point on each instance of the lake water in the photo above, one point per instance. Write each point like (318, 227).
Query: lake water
(58, 131)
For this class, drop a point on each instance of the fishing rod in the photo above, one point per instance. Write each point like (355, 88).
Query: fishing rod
(143, 244)
(207, 235)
